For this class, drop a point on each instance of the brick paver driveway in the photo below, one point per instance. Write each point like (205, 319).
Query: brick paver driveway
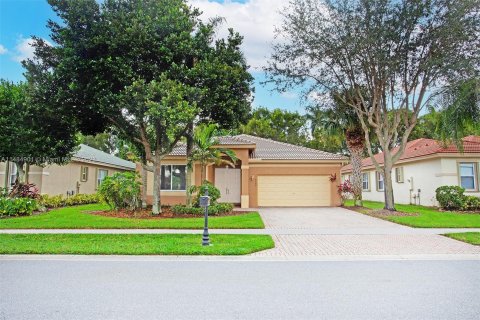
(341, 232)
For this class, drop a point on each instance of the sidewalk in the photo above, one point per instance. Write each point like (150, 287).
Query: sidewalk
(322, 231)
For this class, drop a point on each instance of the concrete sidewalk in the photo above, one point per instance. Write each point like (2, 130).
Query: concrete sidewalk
(323, 231)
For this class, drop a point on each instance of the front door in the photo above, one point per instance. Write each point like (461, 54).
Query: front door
(228, 181)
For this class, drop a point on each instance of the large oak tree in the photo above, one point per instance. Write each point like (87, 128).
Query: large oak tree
(150, 68)
(394, 55)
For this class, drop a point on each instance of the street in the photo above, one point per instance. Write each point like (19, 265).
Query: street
(148, 289)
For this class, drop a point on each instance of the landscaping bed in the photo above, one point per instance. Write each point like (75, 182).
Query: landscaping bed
(167, 213)
(132, 244)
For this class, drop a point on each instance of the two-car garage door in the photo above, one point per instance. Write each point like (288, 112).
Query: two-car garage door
(293, 191)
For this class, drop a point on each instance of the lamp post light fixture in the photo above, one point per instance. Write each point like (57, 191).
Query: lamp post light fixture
(204, 203)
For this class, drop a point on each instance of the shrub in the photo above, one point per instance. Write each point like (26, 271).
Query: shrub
(213, 210)
(345, 190)
(59, 201)
(11, 207)
(471, 203)
(198, 191)
(24, 190)
(121, 191)
(451, 197)
(3, 192)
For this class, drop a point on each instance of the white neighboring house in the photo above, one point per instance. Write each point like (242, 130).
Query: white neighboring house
(425, 165)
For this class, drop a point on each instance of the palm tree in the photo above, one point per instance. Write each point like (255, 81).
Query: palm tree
(206, 150)
(460, 111)
(339, 120)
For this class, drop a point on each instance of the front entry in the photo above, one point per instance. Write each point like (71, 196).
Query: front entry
(228, 181)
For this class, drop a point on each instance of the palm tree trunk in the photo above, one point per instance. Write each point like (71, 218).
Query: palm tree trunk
(20, 172)
(356, 160)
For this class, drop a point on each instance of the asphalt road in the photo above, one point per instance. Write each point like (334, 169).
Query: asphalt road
(239, 290)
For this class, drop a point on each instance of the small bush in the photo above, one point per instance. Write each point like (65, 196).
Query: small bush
(471, 203)
(451, 197)
(198, 191)
(11, 207)
(213, 210)
(121, 191)
(24, 190)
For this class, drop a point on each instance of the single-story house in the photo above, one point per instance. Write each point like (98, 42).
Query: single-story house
(83, 174)
(425, 165)
(268, 173)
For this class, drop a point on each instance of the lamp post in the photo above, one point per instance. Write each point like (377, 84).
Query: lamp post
(204, 202)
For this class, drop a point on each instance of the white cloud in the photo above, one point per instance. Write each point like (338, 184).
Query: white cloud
(3, 50)
(24, 49)
(289, 95)
(255, 20)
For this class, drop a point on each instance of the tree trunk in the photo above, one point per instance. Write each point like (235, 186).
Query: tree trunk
(357, 181)
(157, 176)
(189, 169)
(20, 172)
(144, 174)
(388, 183)
(204, 173)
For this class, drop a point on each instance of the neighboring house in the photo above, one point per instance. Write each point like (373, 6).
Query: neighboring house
(83, 174)
(425, 165)
(268, 173)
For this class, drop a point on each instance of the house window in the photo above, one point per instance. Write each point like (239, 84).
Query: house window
(174, 177)
(84, 174)
(380, 182)
(101, 175)
(365, 181)
(468, 178)
(399, 174)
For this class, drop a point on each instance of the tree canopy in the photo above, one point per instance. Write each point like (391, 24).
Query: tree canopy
(395, 56)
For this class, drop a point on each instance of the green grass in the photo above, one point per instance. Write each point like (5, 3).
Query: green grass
(427, 217)
(133, 244)
(469, 237)
(76, 218)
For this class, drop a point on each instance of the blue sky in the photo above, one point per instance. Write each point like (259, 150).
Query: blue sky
(254, 19)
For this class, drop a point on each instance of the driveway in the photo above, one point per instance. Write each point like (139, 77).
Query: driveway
(310, 232)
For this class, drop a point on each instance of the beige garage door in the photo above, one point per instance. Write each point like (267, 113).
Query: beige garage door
(293, 191)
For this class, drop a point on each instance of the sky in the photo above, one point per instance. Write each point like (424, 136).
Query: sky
(253, 19)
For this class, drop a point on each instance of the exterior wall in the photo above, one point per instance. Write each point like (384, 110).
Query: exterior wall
(287, 169)
(426, 175)
(55, 179)
(3, 177)
(250, 170)
(170, 197)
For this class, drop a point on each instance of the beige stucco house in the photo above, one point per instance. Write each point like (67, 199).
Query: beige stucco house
(268, 173)
(425, 165)
(83, 174)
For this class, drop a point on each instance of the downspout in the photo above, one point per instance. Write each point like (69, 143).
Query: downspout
(7, 175)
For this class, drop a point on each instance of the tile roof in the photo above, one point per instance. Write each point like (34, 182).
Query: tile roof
(274, 150)
(269, 149)
(91, 154)
(424, 147)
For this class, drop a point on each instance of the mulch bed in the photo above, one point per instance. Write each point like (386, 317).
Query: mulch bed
(147, 214)
(381, 212)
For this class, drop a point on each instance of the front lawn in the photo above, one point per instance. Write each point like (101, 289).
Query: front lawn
(427, 217)
(133, 244)
(469, 237)
(76, 218)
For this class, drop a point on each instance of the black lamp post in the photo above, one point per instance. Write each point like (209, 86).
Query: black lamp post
(204, 202)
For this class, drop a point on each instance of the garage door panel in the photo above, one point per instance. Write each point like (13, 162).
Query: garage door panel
(293, 191)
